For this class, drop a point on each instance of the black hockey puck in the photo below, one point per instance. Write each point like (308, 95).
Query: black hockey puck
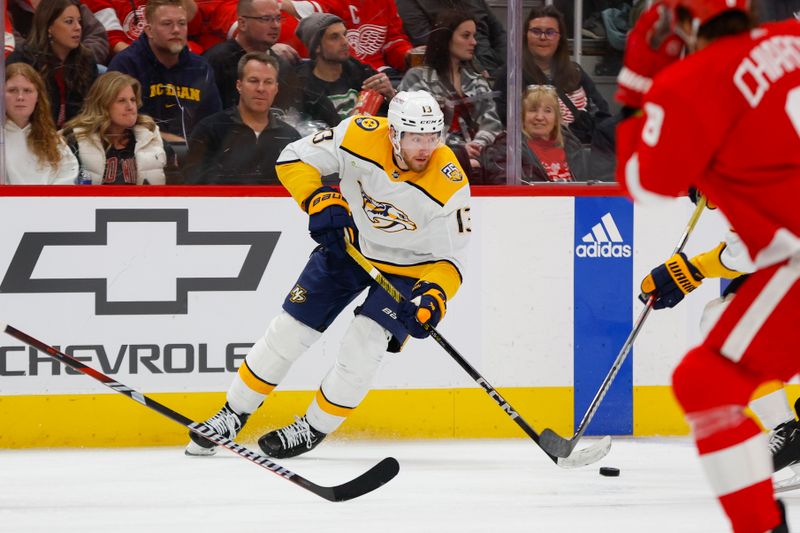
(609, 471)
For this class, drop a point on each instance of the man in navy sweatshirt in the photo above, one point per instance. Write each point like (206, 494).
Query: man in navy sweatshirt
(177, 85)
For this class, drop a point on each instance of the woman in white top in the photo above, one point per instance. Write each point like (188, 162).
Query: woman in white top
(116, 145)
(35, 153)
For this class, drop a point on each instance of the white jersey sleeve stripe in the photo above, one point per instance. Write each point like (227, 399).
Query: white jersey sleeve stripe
(760, 310)
(108, 18)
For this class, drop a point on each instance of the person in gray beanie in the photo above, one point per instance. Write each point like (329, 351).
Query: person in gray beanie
(311, 29)
(333, 79)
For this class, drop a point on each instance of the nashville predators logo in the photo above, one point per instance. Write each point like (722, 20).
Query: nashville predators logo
(384, 216)
(367, 123)
(297, 295)
(452, 172)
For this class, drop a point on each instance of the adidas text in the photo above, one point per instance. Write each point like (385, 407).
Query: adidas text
(606, 249)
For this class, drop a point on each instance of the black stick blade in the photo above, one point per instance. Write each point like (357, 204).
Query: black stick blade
(374, 478)
(554, 444)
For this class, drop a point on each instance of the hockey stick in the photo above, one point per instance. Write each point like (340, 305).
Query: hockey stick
(583, 457)
(561, 447)
(370, 480)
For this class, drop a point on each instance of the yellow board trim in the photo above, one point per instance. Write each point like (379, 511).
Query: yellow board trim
(331, 408)
(656, 411)
(112, 420)
(253, 382)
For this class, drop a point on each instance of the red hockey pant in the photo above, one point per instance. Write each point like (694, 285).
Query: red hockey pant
(755, 340)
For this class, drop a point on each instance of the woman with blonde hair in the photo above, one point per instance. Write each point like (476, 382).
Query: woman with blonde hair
(549, 150)
(34, 152)
(113, 142)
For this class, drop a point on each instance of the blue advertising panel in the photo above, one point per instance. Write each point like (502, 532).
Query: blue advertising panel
(603, 264)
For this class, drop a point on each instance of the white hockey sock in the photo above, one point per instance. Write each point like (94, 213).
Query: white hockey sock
(268, 361)
(363, 347)
(772, 409)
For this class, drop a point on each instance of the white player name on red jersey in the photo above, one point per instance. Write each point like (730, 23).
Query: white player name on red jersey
(766, 64)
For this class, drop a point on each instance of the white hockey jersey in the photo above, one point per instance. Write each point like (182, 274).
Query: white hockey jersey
(415, 224)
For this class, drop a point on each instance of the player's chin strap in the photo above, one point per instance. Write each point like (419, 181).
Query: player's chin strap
(561, 447)
(583, 457)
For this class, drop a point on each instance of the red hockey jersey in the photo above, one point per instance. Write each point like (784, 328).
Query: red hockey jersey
(727, 120)
(374, 29)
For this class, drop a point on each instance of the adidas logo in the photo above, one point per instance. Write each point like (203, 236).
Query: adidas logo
(604, 240)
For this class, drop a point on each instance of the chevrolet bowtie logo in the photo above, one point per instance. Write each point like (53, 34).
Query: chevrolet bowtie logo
(140, 261)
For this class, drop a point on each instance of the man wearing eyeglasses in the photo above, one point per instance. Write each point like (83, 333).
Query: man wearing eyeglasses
(259, 27)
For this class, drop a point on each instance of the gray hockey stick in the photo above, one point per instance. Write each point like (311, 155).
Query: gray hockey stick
(583, 457)
(557, 445)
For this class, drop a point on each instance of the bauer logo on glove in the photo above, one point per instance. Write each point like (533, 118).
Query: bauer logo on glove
(328, 220)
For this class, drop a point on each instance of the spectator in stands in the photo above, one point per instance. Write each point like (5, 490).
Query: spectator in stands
(546, 61)
(124, 20)
(10, 44)
(114, 144)
(54, 49)
(332, 79)
(241, 144)
(178, 88)
(374, 30)
(34, 152)
(551, 151)
(93, 36)
(420, 17)
(259, 27)
(463, 94)
(778, 9)
(221, 22)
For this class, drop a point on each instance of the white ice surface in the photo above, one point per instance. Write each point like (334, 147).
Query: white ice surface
(443, 486)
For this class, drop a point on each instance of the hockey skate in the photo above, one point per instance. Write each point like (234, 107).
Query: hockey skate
(226, 423)
(784, 443)
(292, 440)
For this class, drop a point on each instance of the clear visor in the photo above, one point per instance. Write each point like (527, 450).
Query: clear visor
(420, 141)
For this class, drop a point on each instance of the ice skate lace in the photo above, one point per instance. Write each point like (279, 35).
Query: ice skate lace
(297, 433)
(225, 423)
(776, 440)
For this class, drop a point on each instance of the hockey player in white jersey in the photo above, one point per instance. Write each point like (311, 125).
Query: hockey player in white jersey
(404, 202)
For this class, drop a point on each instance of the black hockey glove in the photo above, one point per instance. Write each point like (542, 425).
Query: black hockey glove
(427, 305)
(695, 195)
(328, 218)
(670, 282)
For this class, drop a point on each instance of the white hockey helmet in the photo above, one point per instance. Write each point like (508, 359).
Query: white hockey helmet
(413, 112)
